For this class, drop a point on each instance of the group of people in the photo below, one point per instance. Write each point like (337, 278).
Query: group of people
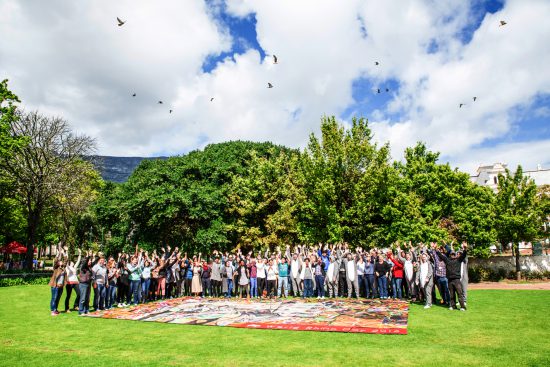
(304, 271)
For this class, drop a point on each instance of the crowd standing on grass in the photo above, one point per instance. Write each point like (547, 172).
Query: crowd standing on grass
(322, 271)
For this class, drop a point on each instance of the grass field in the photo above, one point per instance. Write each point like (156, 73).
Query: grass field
(501, 328)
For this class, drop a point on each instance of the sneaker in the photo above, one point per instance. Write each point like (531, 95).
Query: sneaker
(462, 309)
(427, 306)
(323, 297)
(450, 308)
(54, 313)
(67, 311)
(318, 297)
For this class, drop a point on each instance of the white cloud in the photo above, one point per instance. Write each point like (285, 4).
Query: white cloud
(70, 58)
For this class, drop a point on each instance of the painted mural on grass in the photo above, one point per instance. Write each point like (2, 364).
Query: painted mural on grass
(338, 315)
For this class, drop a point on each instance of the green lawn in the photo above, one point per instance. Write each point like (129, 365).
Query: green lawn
(501, 328)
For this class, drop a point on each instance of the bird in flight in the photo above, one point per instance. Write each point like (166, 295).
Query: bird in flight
(133, 95)
(170, 111)
(502, 23)
(269, 85)
(475, 98)
(120, 22)
(274, 59)
(460, 105)
(387, 89)
(376, 63)
(211, 99)
(160, 102)
(378, 91)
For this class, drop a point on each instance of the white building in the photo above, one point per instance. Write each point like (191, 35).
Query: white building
(488, 175)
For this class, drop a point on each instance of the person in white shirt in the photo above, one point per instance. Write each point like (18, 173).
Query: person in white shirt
(260, 275)
(424, 279)
(271, 276)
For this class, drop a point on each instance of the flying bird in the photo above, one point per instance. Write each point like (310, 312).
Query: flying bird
(269, 85)
(475, 98)
(170, 111)
(378, 91)
(387, 89)
(120, 22)
(274, 59)
(211, 99)
(133, 95)
(462, 104)
(376, 63)
(502, 23)
(160, 102)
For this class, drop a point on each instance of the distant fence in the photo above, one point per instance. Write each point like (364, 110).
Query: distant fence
(528, 263)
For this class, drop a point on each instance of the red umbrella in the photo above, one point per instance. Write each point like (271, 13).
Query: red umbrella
(13, 248)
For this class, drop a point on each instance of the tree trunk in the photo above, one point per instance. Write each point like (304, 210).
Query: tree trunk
(518, 266)
(32, 227)
(33, 220)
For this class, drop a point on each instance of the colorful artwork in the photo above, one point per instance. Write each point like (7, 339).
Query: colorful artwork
(341, 315)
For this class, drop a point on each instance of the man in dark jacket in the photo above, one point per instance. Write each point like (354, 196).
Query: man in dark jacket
(454, 266)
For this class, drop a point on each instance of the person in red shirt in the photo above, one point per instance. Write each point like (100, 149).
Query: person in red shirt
(397, 279)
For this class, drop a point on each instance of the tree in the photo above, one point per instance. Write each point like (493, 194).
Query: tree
(37, 170)
(518, 216)
(81, 184)
(8, 115)
(345, 176)
(432, 202)
(265, 201)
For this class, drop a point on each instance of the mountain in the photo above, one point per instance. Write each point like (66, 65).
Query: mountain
(117, 169)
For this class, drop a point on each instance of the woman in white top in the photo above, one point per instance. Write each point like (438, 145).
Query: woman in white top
(260, 275)
(72, 283)
(271, 276)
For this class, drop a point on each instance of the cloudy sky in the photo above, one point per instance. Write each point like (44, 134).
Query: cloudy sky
(69, 58)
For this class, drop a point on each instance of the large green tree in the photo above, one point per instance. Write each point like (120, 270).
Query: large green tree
(432, 202)
(345, 182)
(518, 214)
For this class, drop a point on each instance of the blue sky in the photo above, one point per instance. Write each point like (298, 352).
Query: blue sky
(433, 56)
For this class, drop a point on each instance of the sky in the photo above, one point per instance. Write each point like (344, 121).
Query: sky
(71, 59)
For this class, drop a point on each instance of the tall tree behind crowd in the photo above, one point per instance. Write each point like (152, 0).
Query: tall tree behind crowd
(38, 169)
(519, 217)
(345, 183)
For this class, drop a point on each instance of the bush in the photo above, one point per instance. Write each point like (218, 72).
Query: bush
(478, 274)
(10, 282)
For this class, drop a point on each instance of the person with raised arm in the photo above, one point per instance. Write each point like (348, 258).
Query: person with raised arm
(307, 277)
(72, 282)
(216, 276)
(112, 277)
(454, 265)
(425, 278)
(253, 271)
(57, 281)
(382, 270)
(331, 277)
(408, 268)
(283, 270)
(84, 281)
(397, 275)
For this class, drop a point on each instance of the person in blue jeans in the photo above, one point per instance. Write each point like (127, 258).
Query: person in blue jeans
(306, 276)
(57, 282)
(283, 269)
(381, 269)
(112, 277)
(99, 272)
(440, 270)
(228, 271)
(135, 268)
(84, 279)
(369, 276)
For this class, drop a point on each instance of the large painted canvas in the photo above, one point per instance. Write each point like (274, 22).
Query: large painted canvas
(340, 315)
